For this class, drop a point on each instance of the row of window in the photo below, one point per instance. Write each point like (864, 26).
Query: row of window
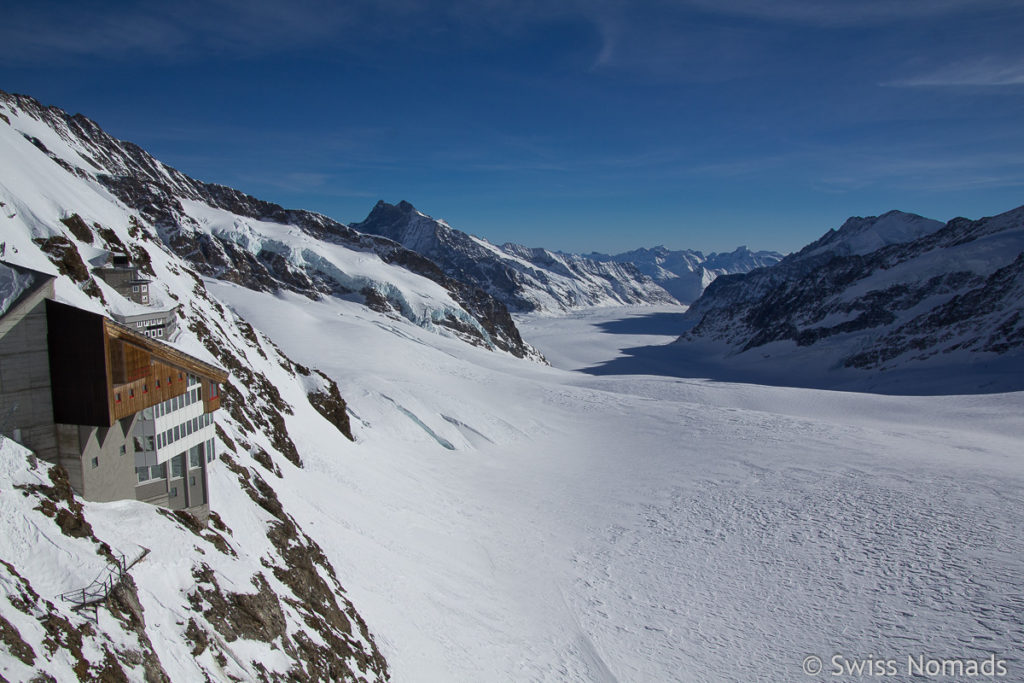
(169, 436)
(172, 404)
(195, 454)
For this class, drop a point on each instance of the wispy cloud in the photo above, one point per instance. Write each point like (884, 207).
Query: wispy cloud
(988, 73)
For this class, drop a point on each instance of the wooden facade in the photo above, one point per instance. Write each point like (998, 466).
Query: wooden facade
(102, 371)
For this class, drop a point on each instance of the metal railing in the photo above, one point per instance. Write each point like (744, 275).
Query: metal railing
(101, 587)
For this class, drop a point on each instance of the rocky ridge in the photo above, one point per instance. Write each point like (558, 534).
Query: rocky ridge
(878, 293)
(525, 279)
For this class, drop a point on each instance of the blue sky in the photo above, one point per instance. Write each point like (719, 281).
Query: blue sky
(578, 125)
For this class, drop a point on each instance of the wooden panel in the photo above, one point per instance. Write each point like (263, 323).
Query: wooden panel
(211, 396)
(159, 383)
(166, 352)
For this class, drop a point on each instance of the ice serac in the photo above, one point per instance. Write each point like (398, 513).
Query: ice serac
(880, 293)
(685, 273)
(523, 278)
(228, 234)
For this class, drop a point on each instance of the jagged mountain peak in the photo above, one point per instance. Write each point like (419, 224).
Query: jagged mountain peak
(862, 235)
(523, 278)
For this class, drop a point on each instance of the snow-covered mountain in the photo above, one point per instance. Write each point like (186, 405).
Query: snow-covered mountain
(880, 293)
(228, 234)
(252, 595)
(685, 273)
(525, 279)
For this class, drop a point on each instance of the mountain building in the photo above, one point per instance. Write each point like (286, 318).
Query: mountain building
(124, 277)
(127, 416)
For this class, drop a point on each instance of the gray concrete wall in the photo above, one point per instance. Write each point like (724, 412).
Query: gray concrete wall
(196, 482)
(25, 402)
(153, 492)
(112, 477)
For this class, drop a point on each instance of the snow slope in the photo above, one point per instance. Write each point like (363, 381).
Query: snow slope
(57, 165)
(645, 528)
(250, 596)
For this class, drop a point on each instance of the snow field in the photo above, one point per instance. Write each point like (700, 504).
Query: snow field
(641, 527)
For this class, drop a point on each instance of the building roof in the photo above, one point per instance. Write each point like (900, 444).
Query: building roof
(165, 351)
(17, 283)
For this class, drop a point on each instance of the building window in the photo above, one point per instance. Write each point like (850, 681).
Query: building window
(145, 388)
(142, 473)
(173, 493)
(214, 389)
(178, 466)
(159, 332)
(157, 382)
(177, 432)
(135, 288)
(124, 449)
(138, 324)
(95, 463)
(131, 393)
(117, 397)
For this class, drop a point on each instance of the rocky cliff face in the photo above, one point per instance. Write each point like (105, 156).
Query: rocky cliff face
(168, 200)
(879, 293)
(686, 273)
(523, 278)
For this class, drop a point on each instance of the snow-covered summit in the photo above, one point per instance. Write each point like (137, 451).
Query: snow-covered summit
(685, 273)
(524, 278)
(880, 293)
(864, 235)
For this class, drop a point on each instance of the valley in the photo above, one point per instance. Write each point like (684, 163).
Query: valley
(631, 527)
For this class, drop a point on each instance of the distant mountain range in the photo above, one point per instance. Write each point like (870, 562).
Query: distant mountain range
(878, 293)
(686, 273)
(886, 293)
(523, 278)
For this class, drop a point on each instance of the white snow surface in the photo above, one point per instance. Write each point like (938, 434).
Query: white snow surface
(639, 528)
(865, 235)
